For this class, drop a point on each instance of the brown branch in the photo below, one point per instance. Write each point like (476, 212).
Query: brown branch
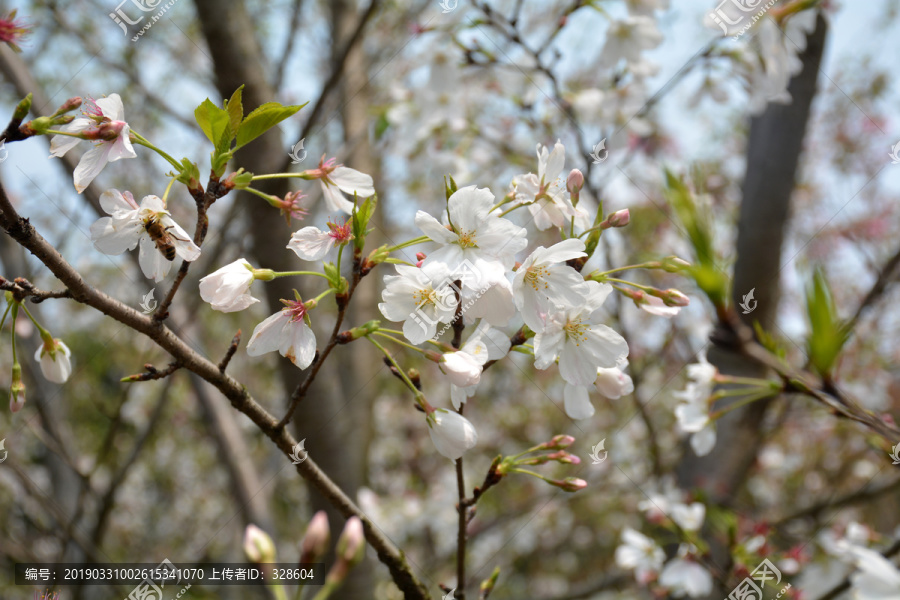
(24, 233)
(846, 500)
(877, 289)
(463, 509)
(22, 288)
(151, 373)
(235, 342)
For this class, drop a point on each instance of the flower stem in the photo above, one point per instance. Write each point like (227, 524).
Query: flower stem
(6, 312)
(420, 397)
(292, 273)
(398, 342)
(267, 197)
(139, 139)
(44, 333)
(419, 240)
(280, 176)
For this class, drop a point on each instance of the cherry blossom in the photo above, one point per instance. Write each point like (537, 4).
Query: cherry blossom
(453, 435)
(693, 412)
(311, 243)
(685, 577)
(128, 227)
(53, 356)
(287, 332)
(581, 342)
(545, 283)
(105, 125)
(545, 193)
(613, 383)
(338, 178)
(228, 289)
(640, 553)
(483, 345)
(420, 298)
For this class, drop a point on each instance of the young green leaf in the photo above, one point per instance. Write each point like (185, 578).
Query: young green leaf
(214, 122)
(235, 110)
(828, 333)
(263, 119)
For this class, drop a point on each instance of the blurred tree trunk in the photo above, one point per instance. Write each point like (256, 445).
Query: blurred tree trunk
(773, 152)
(334, 416)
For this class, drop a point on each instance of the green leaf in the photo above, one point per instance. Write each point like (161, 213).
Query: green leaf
(361, 216)
(235, 110)
(828, 333)
(451, 187)
(263, 119)
(188, 172)
(214, 122)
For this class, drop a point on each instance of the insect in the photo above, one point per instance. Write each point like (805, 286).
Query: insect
(161, 237)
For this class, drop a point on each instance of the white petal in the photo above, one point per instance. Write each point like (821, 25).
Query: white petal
(350, 181)
(111, 107)
(451, 433)
(113, 202)
(299, 343)
(153, 263)
(704, 441)
(577, 402)
(311, 243)
(111, 240)
(121, 147)
(90, 166)
(268, 335)
(60, 144)
(555, 162)
(334, 200)
(433, 228)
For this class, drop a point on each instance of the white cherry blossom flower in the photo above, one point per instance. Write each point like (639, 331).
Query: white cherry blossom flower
(877, 578)
(462, 368)
(338, 178)
(628, 39)
(693, 412)
(104, 124)
(287, 332)
(613, 382)
(686, 578)
(420, 298)
(129, 226)
(580, 341)
(54, 358)
(452, 434)
(483, 345)
(689, 516)
(311, 243)
(545, 283)
(640, 553)
(545, 193)
(228, 289)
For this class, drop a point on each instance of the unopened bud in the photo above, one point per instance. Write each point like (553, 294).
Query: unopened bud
(487, 586)
(673, 264)
(415, 378)
(620, 218)
(559, 442)
(16, 390)
(68, 106)
(569, 484)
(673, 297)
(315, 542)
(258, 546)
(575, 181)
(348, 336)
(420, 256)
(565, 458)
(22, 109)
(351, 545)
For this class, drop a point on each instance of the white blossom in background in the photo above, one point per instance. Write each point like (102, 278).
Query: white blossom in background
(689, 516)
(228, 289)
(54, 357)
(127, 227)
(685, 577)
(544, 283)
(640, 553)
(545, 194)
(693, 411)
(453, 435)
(580, 340)
(628, 39)
(463, 368)
(613, 383)
(104, 123)
(876, 578)
(287, 332)
(410, 296)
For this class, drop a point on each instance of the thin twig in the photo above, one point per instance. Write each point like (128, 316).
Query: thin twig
(235, 342)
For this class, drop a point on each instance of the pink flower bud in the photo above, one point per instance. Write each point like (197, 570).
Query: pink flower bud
(420, 256)
(569, 484)
(558, 442)
(351, 545)
(620, 218)
(575, 181)
(315, 542)
(258, 546)
(564, 457)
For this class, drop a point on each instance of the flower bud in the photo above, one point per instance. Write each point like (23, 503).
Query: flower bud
(451, 433)
(16, 390)
(558, 442)
(673, 264)
(569, 484)
(575, 181)
(68, 106)
(420, 256)
(352, 543)
(673, 297)
(263, 274)
(315, 542)
(53, 356)
(564, 457)
(22, 109)
(487, 586)
(258, 546)
(620, 218)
